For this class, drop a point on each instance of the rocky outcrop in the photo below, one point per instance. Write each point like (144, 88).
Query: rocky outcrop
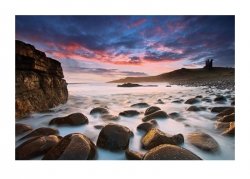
(39, 81)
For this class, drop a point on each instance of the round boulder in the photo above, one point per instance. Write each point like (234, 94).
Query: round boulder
(156, 115)
(36, 146)
(140, 105)
(170, 152)
(74, 146)
(72, 120)
(129, 113)
(192, 101)
(146, 126)
(151, 110)
(109, 117)
(114, 137)
(193, 108)
(220, 98)
(99, 110)
(174, 115)
(203, 141)
(22, 128)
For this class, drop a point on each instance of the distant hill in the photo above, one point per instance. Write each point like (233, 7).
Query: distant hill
(184, 75)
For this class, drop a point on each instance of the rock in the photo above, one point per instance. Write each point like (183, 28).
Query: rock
(180, 119)
(178, 101)
(227, 118)
(203, 141)
(140, 105)
(153, 122)
(131, 134)
(192, 101)
(159, 101)
(193, 108)
(109, 117)
(151, 110)
(22, 128)
(199, 96)
(114, 137)
(168, 86)
(207, 99)
(174, 115)
(129, 113)
(36, 146)
(226, 112)
(129, 85)
(233, 103)
(146, 126)
(170, 152)
(133, 155)
(156, 115)
(222, 126)
(220, 109)
(99, 110)
(220, 98)
(39, 81)
(155, 137)
(74, 146)
(98, 126)
(231, 130)
(72, 120)
(43, 131)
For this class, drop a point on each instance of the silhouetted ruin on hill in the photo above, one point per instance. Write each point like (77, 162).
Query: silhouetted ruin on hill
(209, 64)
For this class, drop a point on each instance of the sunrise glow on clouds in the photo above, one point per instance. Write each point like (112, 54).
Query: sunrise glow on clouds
(103, 48)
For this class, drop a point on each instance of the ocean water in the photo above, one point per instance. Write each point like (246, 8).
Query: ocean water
(84, 97)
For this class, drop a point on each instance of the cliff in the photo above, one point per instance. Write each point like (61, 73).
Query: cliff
(39, 81)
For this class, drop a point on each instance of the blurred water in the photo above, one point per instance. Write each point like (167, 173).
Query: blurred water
(84, 97)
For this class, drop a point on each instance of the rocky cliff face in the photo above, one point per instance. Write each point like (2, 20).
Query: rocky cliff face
(39, 81)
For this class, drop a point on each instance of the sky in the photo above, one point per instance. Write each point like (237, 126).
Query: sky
(104, 48)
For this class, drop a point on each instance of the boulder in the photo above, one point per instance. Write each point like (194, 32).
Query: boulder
(227, 118)
(159, 101)
(207, 99)
(220, 98)
(22, 128)
(109, 117)
(192, 101)
(73, 146)
(151, 110)
(43, 131)
(140, 105)
(133, 155)
(99, 110)
(226, 112)
(178, 101)
(129, 113)
(203, 141)
(72, 120)
(155, 137)
(98, 126)
(156, 115)
(199, 96)
(146, 126)
(39, 81)
(114, 137)
(174, 115)
(170, 152)
(36, 146)
(220, 109)
(231, 130)
(193, 108)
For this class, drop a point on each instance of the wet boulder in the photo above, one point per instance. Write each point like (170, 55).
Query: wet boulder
(220, 99)
(73, 146)
(174, 115)
(155, 137)
(227, 118)
(178, 101)
(231, 130)
(99, 110)
(110, 117)
(146, 126)
(133, 155)
(151, 110)
(140, 105)
(129, 113)
(22, 128)
(170, 152)
(36, 146)
(199, 96)
(192, 101)
(156, 115)
(193, 108)
(43, 131)
(207, 99)
(203, 141)
(220, 109)
(226, 112)
(159, 101)
(71, 120)
(98, 126)
(114, 137)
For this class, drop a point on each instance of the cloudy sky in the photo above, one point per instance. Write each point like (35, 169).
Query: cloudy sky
(103, 48)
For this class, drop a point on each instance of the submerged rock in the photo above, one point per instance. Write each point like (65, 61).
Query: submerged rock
(140, 105)
(129, 113)
(129, 85)
(133, 155)
(178, 101)
(159, 101)
(155, 137)
(98, 126)
(72, 120)
(196, 108)
(220, 98)
(74, 146)
(170, 152)
(22, 128)
(39, 81)
(99, 110)
(192, 101)
(174, 115)
(156, 115)
(203, 141)
(43, 131)
(151, 110)
(36, 146)
(109, 117)
(207, 99)
(114, 137)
